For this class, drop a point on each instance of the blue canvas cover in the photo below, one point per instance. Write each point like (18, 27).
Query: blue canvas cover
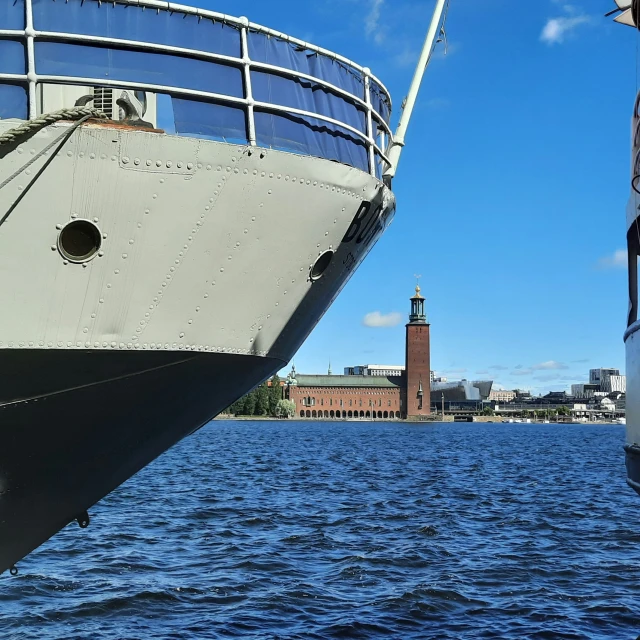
(299, 134)
(128, 22)
(12, 14)
(380, 101)
(302, 94)
(310, 136)
(264, 48)
(12, 57)
(75, 60)
(210, 120)
(13, 101)
(194, 117)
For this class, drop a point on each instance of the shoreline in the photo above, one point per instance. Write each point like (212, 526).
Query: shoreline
(448, 419)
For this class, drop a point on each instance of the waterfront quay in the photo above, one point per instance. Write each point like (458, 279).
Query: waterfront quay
(414, 392)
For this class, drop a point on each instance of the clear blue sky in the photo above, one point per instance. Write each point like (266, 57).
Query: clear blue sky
(511, 191)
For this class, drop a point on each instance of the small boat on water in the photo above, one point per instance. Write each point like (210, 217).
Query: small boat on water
(155, 159)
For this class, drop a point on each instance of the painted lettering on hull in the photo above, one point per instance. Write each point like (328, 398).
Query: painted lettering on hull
(363, 224)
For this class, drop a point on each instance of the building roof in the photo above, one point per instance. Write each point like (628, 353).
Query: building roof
(348, 381)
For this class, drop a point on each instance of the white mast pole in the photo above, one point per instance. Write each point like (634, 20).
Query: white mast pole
(395, 148)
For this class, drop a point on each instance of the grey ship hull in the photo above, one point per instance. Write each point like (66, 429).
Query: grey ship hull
(203, 287)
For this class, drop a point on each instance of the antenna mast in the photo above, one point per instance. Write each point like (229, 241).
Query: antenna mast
(395, 148)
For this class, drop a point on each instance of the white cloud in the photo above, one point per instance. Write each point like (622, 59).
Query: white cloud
(372, 21)
(617, 260)
(556, 29)
(548, 377)
(556, 376)
(377, 319)
(549, 365)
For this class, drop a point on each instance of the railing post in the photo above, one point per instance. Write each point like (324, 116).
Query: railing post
(31, 59)
(367, 97)
(246, 59)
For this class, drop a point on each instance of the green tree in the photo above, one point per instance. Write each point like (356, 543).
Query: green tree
(564, 411)
(275, 394)
(285, 409)
(249, 405)
(262, 400)
(487, 411)
(236, 407)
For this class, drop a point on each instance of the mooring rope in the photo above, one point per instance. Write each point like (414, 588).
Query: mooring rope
(79, 114)
(31, 126)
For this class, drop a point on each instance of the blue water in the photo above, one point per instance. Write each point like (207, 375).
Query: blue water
(350, 530)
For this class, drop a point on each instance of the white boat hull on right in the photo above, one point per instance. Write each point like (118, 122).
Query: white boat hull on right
(632, 447)
(631, 336)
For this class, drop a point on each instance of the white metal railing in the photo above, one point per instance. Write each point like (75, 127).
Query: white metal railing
(374, 121)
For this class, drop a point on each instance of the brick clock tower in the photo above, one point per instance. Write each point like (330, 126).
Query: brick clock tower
(417, 387)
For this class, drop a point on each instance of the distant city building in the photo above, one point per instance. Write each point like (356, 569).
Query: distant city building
(596, 375)
(461, 391)
(375, 370)
(584, 390)
(502, 395)
(601, 382)
(557, 396)
(385, 370)
(614, 383)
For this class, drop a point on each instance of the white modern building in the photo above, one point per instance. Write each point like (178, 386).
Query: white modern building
(614, 383)
(375, 370)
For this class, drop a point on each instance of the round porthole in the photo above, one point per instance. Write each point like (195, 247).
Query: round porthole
(321, 265)
(79, 241)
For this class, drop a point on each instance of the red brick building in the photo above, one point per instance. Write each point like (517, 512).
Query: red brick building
(379, 397)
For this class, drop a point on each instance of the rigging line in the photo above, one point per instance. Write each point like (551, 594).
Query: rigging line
(61, 138)
(442, 34)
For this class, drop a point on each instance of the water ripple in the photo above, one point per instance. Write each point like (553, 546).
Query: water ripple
(358, 530)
